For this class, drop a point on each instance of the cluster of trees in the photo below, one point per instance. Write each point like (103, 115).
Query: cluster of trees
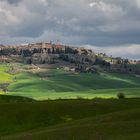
(101, 62)
(77, 59)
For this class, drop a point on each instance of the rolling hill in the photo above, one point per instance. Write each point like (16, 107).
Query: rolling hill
(42, 84)
(54, 84)
(99, 119)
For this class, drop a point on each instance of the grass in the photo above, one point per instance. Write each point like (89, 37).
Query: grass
(104, 93)
(13, 99)
(101, 128)
(4, 76)
(104, 119)
(96, 119)
(56, 84)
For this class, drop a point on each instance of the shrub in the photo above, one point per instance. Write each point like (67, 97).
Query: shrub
(5, 90)
(120, 95)
(79, 98)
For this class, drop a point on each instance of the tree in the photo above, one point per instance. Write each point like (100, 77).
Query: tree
(120, 96)
(29, 61)
(5, 90)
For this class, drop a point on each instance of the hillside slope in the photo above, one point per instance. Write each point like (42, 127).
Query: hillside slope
(54, 84)
(71, 119)
(113, 126)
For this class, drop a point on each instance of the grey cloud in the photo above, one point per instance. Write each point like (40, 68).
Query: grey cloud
(12, 1)
(96, 22)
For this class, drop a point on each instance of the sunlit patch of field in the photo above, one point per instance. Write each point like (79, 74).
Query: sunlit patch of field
(1, 92)
(55, 84)
(89, 94)
(5, 77)
(121, 79)
(42, 83)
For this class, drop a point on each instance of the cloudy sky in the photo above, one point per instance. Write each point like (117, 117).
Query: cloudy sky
(112, 26)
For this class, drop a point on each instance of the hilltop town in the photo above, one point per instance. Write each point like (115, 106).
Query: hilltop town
(72, 58)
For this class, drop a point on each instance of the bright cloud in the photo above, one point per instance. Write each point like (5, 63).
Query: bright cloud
(126, 51)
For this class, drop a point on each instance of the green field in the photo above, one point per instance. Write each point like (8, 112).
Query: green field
(55, 84)
(99, 119)
(5, 77)
(29, 115)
